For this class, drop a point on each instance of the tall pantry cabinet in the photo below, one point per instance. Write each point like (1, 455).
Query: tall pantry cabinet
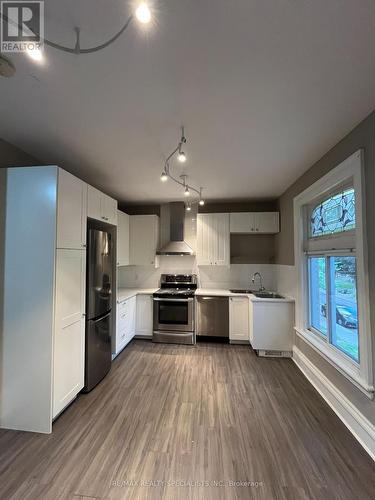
(44, 296)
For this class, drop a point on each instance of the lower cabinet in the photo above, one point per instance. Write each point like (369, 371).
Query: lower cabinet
(239, 319)
(144, 316)
(125, 325)
(69, 338)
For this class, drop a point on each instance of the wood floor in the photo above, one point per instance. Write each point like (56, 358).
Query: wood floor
(180, 422)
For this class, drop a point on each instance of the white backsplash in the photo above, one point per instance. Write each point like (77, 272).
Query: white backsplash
(235, 276)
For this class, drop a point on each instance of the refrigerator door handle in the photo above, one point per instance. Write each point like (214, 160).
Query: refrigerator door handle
(101, 318)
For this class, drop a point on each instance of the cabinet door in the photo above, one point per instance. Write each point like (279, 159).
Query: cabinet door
(71, 211)
(123, 239)
(143, 237)
(221, 240)
(241, 222)
(108, 209)
(205, 239)
(144, 316)
(130, 320)
(267, 222)
(69, 338)
(239, 311)
(94, 209)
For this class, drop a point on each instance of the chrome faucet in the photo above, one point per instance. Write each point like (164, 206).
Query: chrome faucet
(261, 287)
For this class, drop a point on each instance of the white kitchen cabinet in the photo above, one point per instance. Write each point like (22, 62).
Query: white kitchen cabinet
(123, 245)
(125, 325)
(69, 337)
(144, 239)
(271, 327)
(101, 206)
(44, 297)
(144, 316)
(239, 319)
(71, 211)
(254, 222)
(213, 240)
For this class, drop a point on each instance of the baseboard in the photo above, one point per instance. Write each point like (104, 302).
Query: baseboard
(361, 428)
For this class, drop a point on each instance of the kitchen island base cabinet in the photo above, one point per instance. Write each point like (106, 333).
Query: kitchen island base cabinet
(239, 320)
(271, 327)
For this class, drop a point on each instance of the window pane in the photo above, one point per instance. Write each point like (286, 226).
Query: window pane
(344, 310)
(334, 215)
(318, 294)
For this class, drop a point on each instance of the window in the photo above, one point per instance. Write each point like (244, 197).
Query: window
(334, 215)
(332, 300)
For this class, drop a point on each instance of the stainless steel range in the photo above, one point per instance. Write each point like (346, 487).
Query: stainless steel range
(174, 309)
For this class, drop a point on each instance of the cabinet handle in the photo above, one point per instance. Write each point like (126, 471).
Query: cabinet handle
(84, 245)
(257, 229)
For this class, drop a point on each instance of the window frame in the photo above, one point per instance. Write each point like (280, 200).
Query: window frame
(350, 171)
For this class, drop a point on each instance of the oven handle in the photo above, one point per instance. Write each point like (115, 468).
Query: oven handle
(157, 299)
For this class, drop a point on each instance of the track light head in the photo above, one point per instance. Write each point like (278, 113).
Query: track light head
(187, 192)
(164, 176)
(143, 13)
(201, 202)
(181, 157)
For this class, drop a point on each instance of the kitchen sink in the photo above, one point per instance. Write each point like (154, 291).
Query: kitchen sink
(237, 290)
(268, 295)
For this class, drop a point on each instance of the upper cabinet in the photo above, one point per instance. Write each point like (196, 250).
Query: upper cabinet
(123, 247)
(144, 239)
(213, 240)
(71, 211)
(101, 206)
(254, 222)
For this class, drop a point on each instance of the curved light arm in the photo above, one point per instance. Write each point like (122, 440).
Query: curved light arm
(77, 49)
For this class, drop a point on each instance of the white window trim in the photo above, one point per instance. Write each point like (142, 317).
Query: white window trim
(360, 374)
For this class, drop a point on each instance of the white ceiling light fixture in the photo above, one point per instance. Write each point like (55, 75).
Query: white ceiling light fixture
(35, 55)
(166, 173)
(142, 14)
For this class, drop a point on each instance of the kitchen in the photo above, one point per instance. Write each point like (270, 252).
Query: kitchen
(186, 252)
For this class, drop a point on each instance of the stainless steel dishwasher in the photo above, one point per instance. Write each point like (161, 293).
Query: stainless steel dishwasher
(213, 316)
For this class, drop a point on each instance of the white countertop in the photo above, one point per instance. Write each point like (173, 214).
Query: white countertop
(219, 292)
(127, 293)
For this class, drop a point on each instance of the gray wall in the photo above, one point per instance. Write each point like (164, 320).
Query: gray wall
(363, 136)
(11, 156)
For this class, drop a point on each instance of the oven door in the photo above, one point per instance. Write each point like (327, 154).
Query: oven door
(174, 315)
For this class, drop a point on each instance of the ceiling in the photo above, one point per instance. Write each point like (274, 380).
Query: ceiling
(263, 87)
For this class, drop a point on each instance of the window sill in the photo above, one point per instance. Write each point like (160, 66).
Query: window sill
(349, 369)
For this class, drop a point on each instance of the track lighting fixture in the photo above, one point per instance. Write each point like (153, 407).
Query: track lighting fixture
(141, 14)
(166, 174)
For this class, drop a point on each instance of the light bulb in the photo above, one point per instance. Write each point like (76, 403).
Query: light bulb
(164, 176)
(143, 13)
(35, 54)
(181, 157)
(188, 208)
(187, 192)
(201, 202)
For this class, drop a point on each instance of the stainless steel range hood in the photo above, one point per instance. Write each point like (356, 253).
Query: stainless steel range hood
(176, 245)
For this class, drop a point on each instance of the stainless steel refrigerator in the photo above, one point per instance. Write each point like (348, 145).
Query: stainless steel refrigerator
(100, 255)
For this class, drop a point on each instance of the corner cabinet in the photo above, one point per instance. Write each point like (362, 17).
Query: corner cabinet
(144, 240)
(254, 222)
(101, 206)
(44, 296)
(213, 240)
(239, 320)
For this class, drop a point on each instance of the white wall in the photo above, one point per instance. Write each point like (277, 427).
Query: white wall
(235, 276)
